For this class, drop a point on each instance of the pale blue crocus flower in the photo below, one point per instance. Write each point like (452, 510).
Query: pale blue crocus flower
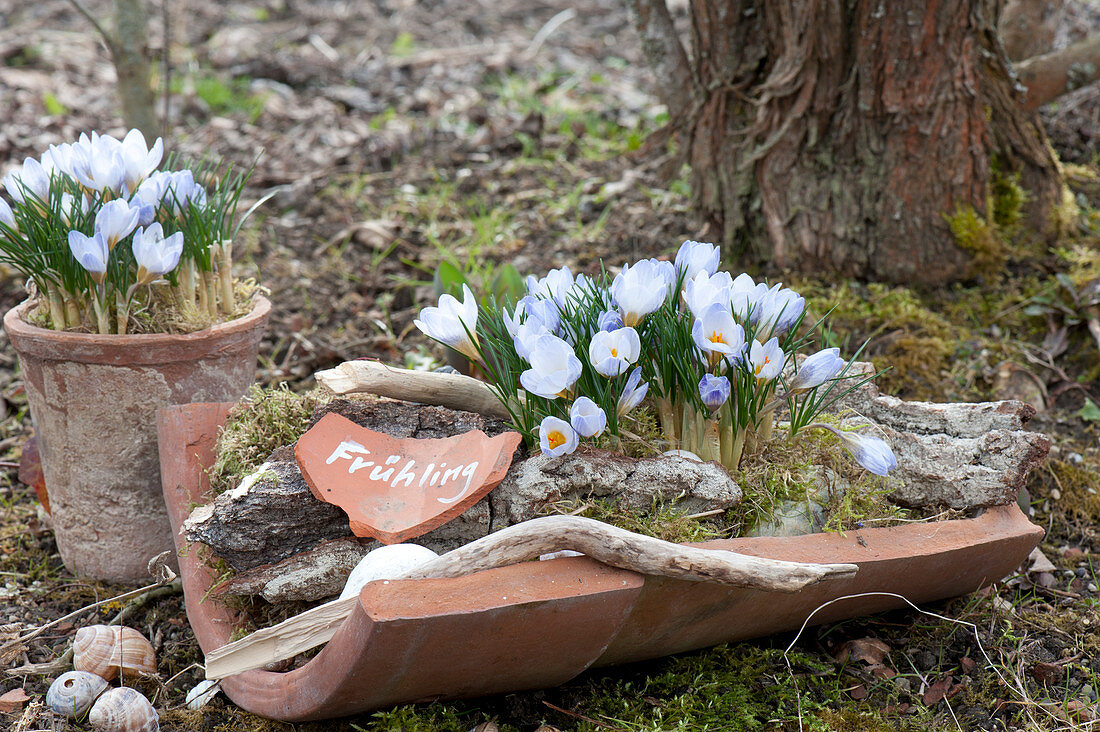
(182, 191)
(91, 252)
(872, 453)
(99, 167)
(641, 289)
(555, 286)
(530, 309)
(138, 159)
(745, 295)
(30, 179)
(609, 320)
(703, 290)
(115, 220)
(59, 158)
(694, 257)
(554, 367)
(718, 335)
(778, 310)
(613, 352)
(155, 253)
(587, 418)
(7, 217)
(557, 437)
(714, 391)
(634, 392)
(765, 360)
(526, 334)
(816, 370)
(453, 323)
(73, 208)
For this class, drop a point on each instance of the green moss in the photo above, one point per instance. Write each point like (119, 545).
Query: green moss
(975, 235)
(265, 419)
(661, 520)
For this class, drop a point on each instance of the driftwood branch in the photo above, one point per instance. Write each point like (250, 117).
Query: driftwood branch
(603, 542)
(453, 391)
(1053, 74)
(663, 51)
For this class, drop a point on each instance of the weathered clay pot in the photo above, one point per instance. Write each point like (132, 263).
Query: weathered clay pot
(94, 399)
(539, 624)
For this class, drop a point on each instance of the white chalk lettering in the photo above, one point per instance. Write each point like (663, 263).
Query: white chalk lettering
(358, 464)
(345, 450)
(405, 474)
(468, 474)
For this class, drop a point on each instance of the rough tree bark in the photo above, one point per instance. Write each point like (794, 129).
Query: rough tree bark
(827, 135)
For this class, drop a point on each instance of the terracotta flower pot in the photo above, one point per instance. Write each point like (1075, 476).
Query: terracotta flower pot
(539, 624)
(93, 399)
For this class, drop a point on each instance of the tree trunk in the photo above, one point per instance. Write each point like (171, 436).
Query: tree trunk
(840, 136)
(128, 46)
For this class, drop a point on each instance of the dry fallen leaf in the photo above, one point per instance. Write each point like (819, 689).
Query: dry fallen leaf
(869, 650)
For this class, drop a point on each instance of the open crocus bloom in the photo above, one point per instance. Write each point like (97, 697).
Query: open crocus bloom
(641, 289)
(156, 255)
(115, 220)
(138, 159)
(557, 437)
(717, 335)
(765, 360)
(452, 323)
(554, 367)
(613, 352)
(554, 286)
(704, 290)
(694, 257)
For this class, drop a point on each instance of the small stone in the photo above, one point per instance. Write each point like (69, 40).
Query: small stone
(967, 664)
(1047, 673)
(1088, 692)
(1045, 579)
(859, 693)
(12, 701)
(903, 684)
(1092, 587)
(1072, 552)
(1081, 572)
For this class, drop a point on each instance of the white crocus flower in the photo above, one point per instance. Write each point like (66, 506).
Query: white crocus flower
(816, 370)
(718, 335)
(703, 290)
(453, 323)
(872, 453)
(613, 352)
(29, 180)
(91, 252)
(557, 437)
(156, 254)
(694, 257)
(633, 393)
(777, 310)
(99, 167)
(640, 290)
(765, 360)
(115, 220)
(745, 293)
(71, 207)
(526, 334)
(587, 418)
(7, 217)
(59, 158)
(138, 159)
(530, 309)
(555, 286)
(554, 367)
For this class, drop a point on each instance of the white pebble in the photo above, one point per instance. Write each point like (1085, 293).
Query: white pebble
(386, 562)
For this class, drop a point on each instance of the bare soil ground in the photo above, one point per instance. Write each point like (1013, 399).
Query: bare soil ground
(399, 134)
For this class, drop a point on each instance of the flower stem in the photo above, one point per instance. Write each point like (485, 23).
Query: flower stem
(225, 276)
(122, 312)
(57, 308)
(72, 310)
(103, 315)
(210, 285)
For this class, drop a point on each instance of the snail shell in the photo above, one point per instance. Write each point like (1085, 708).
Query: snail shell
(105, 649)
(123, 709)
(73, 693)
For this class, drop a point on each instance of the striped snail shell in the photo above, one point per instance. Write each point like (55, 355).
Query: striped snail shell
(123, 709)
(105, 649)
(73, 693)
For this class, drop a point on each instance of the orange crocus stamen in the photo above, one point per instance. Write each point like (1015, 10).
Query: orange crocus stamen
(716, 337)
(555, 439)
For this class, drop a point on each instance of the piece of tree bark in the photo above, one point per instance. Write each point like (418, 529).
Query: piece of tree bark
(608, 544)
(830, 136)
(1051, 75)
(449, 390)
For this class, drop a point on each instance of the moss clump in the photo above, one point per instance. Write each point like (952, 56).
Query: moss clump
(978, 237)
(265, 419)
(660, 520)
(1080, 489)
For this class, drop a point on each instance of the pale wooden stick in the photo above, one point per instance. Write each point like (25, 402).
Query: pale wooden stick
(453, 391)
(603, 542)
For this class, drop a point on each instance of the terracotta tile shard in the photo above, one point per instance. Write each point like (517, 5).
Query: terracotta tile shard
(397, 489)
(13, 701)
(937, 691)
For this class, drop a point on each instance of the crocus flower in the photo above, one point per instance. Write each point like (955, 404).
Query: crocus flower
(778, 310)
(554, 367)
(556, 437)
(554, 286)
(453, 323)
(745, 293)
(71, 207)
(641, 289)
(609, 320)
(633, 393)
(765, 360)
(156, 254)
(587, 418)
(717, 335)
(115, 220)
(99, 167)
(613, 352)
(870, 452)
(138, 159)
(714, 391)
(704, 290)
(91, 252)
(59, 158)
(530, 309)
(816, 370)
(694, 257)
(7, 218)
(526, 335)
(30, 179)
